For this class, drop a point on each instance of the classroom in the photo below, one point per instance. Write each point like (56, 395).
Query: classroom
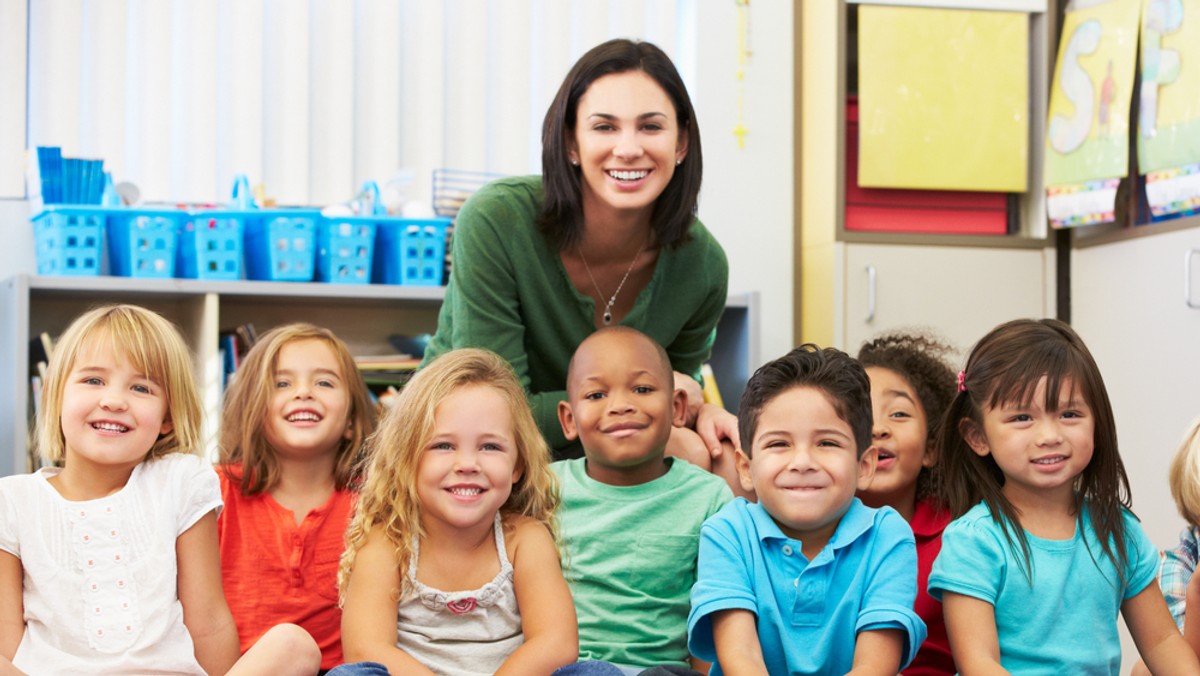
(312, 100)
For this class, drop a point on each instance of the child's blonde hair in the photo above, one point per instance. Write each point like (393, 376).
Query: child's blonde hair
(245, 455)
(389, 493)
(153, 346)
(1185, 475)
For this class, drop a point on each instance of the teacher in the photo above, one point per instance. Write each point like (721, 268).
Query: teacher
(607, 235)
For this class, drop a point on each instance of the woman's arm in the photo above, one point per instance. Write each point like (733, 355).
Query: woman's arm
(971, 626)
(371, 607)
(12, 610)
(878, 651)
(735, 635)
(547, 611)
(1158, 641)
(205, 612)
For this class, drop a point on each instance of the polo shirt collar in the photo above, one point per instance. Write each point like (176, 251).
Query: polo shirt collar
(856, 521)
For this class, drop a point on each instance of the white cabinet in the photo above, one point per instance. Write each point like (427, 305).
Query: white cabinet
(362, 315)
(1129, 304)
(958, 292)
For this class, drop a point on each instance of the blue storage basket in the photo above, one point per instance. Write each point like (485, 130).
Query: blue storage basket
(142, 243)
(281, 244)
(210, 245)
(345, 247)
(411, 252)
(68, 240)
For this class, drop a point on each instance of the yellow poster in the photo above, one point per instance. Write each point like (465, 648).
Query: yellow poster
(1087, 137)
(943, 98)
(1169, 109)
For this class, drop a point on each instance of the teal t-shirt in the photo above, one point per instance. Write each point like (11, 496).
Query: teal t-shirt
(631, 559)
(509, 292)
(1066, 622)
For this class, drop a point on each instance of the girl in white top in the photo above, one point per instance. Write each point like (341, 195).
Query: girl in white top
(450, 564)
(108, 563)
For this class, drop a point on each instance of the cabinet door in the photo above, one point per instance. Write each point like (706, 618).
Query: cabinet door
(958, 292)
(1129, 304)
(12, 103)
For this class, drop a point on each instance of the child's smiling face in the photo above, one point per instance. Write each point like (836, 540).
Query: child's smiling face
(621, 405)
(310, 404)
(804, 465)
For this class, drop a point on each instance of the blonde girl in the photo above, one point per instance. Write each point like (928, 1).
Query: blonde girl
(1044, 552)
(1176, 577)
(108, 562)
(450, 563)
(296, 417)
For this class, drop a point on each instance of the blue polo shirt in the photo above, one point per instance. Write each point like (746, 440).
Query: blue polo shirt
(809, 613)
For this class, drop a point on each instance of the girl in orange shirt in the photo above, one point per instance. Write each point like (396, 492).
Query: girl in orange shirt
(295, 418)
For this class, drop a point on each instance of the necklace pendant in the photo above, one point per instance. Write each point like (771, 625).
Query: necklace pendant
(607, 318)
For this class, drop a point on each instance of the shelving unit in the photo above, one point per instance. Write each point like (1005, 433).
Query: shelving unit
(362, 315)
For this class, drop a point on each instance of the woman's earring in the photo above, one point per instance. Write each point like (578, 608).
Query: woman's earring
(574, 162)
(678, 162)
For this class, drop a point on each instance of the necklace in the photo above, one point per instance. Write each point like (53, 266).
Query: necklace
(612, 299)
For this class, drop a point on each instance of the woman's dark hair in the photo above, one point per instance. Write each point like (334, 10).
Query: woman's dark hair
(1005, 368)
(830, 370)
(561, 220)
(920, 360)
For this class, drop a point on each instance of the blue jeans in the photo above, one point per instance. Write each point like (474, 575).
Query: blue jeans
(595, 668)
(359, 669)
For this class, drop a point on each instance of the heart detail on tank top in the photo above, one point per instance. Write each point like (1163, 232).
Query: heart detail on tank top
(462, 606)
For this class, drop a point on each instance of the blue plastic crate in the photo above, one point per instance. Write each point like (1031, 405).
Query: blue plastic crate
(411, 252)
(69, 240)
(210, 245)
(345, 248)
(142, 242)
(281, 244)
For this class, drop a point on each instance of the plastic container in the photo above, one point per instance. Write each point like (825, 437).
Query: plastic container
(280, 244)
(69, 240)
(142, 242)
(345, 249)
(409, 251)
(210, 245)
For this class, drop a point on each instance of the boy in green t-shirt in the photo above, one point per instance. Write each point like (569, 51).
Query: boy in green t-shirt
(630, 517)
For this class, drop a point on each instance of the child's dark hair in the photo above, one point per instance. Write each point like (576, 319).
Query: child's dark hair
(919, 359)
(1005, 367)
(830, 370)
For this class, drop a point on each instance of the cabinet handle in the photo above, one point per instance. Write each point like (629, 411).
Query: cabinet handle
(1187, 278)
(870, 293)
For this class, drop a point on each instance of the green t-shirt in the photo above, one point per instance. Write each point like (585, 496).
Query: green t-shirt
(631, 559)
(509, 292)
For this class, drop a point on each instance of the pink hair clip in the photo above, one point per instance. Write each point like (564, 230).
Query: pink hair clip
(962, 381)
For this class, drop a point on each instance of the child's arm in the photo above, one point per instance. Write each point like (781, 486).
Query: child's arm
(1191, 623)
(971, 626)
(371, 607)
(877, 651)
(205, 612)
(12, 610)
(1159, 643)
(735, 636)
(547, 611)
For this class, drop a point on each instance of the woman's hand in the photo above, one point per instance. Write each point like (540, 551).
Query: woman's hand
(693, 394)
(715, 425)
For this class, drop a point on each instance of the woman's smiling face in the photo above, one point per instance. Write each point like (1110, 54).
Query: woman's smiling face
(626, 142)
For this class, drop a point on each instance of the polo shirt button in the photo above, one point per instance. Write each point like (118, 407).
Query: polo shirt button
(787, 550)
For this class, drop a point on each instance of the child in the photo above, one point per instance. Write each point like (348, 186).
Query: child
(454, 533)
(630, 516)
(911, 386)
(808, 580)
(109, 564)
(1179, 586)
(1044, 552)
(294, 420)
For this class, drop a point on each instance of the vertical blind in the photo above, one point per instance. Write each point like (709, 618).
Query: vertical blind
(312, 97)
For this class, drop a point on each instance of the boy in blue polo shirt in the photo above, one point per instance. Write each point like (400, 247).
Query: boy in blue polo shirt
(807, 580)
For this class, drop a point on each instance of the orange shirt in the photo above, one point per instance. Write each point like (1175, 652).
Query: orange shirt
(275, 571)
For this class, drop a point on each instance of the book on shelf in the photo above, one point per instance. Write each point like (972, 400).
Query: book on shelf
(386, 362)
(712, 394)
(40, 349)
